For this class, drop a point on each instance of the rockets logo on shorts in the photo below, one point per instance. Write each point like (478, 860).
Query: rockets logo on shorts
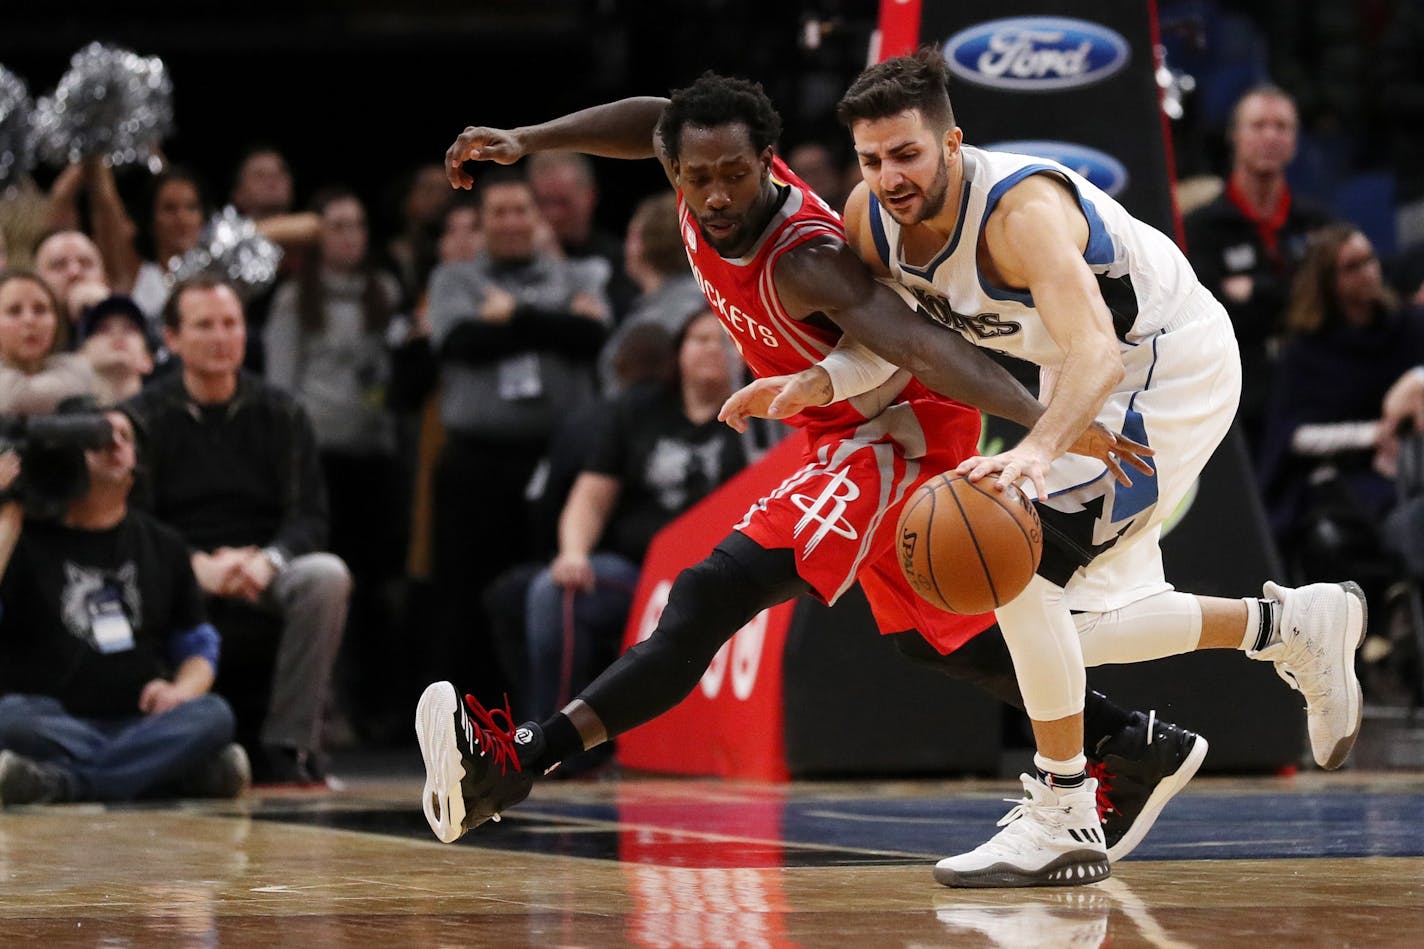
(828, 510)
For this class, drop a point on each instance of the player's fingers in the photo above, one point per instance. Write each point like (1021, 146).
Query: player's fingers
(1119, 475)
(1040, 486)
(1138, 462)
(1125, 444)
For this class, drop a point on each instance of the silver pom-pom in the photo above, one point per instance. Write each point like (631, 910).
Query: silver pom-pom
(17, 141)
(111, 102)
(230, 247)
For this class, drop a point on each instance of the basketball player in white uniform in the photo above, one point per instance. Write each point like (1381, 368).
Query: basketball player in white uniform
(1023, 255)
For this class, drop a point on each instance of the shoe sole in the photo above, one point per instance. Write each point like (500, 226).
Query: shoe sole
(1165, 790)
(1078, 868)
(443, 802)
(1356, 610)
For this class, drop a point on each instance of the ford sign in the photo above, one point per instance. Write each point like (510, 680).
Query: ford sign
(1101, 169)
(1036, 53)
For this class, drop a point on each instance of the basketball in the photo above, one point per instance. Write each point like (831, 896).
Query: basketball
(965, 547)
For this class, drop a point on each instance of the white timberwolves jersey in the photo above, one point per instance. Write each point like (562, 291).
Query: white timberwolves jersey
(1144, 278)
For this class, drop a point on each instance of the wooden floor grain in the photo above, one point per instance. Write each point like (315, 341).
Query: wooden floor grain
(656, 863)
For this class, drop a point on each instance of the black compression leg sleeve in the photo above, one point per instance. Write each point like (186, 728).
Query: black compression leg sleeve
(985, 661)
(707, 604)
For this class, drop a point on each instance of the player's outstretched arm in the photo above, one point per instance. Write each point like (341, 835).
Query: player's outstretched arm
(622, 129)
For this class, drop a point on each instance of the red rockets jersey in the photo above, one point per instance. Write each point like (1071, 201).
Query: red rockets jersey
(743, 294)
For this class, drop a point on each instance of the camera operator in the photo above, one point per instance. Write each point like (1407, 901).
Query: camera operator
(34, 378)
(106, 660)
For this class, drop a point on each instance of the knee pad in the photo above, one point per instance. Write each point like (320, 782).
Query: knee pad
(1165, 624)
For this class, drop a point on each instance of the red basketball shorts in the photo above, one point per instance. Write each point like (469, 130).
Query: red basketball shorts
(838, 513)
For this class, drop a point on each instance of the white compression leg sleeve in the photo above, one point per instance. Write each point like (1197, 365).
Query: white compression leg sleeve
(1043, 642)
(1162, 625)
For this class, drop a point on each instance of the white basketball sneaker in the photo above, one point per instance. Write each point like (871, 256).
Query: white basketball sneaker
(1050, 838)
(1321, 626)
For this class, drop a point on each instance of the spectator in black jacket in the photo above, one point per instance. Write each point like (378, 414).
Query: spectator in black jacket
(231, 463)
(1246, 245)
(516, 334)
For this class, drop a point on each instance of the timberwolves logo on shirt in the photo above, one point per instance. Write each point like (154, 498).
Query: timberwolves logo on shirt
(982, 326)
(84, 587)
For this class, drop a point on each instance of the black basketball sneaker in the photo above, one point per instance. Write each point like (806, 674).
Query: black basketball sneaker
(473, 766)
(1139, 770)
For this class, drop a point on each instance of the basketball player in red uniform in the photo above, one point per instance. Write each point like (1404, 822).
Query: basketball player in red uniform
(772, 260)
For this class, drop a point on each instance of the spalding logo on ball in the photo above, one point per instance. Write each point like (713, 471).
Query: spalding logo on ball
(966, 547)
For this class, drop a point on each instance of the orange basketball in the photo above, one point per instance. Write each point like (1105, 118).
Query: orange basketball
(966, 547)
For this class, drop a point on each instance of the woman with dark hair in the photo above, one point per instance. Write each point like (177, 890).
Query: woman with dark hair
(325, 343)
(1348, 338)
(658, 451)
(178, 207)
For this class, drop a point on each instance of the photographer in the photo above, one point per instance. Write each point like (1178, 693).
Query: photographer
(33, 377)
(106, 660)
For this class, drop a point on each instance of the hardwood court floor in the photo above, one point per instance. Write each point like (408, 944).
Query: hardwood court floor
(1314, 860)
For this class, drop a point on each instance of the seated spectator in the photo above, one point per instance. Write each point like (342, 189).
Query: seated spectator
(178, 207)
(657, 264)
(658, 451)
(1349, 340)
(64, 259)
(815, 163)
(231, 463)
(460, 235)
(566, 190)
(326, 343)
(113, 338)
(644, 356)
(106, 660)
(1246, 244)
(34, 377)
(517, 334)
(413, 249)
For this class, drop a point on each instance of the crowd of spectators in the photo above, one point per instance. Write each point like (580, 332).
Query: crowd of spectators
(443, 444)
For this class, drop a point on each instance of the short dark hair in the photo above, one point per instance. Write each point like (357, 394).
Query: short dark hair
(172, 317)
(656, 220)
(499, 175)
(715, 100)
(919, 81)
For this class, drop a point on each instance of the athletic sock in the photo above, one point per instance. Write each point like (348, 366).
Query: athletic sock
(1102, 719)
(561, 739)
(1062, 775)
(1262, 624)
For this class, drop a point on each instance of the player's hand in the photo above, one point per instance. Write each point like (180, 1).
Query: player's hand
(478, 143)
(1024, 461)
(1112, 449)
(572, 571)
(776, 397)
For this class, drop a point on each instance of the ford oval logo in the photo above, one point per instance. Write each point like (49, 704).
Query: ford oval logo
(1101, 169)
(1036, 53)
